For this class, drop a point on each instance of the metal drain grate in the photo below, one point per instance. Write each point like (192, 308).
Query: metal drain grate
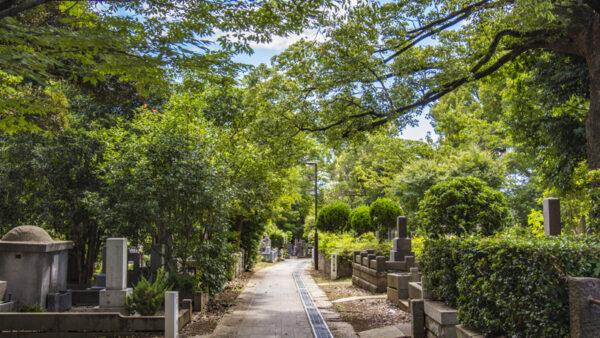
(320, 328)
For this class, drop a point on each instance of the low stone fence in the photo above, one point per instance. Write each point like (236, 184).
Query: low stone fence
(86, 324)
(369, 271)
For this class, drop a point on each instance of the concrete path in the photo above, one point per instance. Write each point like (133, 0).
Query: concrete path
(269, 306)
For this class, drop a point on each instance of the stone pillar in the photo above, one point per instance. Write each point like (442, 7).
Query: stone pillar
(551, 216)
(171, 314)
(584, 315)
(113, 297)
(417, 314)
(334, 266)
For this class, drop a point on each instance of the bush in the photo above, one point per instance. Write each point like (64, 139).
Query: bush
(344, 244)
(360, 220)
(462, 205)
(334, 217)
(384, 213)
(278, 237)
(514, 286)
(184, 283)
(147, 297)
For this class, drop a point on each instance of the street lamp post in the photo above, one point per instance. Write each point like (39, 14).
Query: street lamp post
(316, 256)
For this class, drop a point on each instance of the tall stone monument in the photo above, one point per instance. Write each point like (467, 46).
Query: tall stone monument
(402, 244)
(112, 299)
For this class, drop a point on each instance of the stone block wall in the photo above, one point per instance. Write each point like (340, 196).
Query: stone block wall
(369, 271)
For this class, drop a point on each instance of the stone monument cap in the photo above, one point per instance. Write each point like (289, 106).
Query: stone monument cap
(27, 233)
(30, 238)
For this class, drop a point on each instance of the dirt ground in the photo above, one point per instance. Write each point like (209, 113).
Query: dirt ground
(362, 314)
(205, 322)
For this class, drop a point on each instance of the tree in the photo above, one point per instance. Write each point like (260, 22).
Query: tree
(382, 63)
(149, 43)
(334, 217)
(360, 220)
(384, 213)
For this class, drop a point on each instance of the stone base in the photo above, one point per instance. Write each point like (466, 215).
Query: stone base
(113, 299)
(59, 302)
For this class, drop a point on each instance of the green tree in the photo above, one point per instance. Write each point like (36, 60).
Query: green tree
(384, 213)
(334, 217)
(384, 62)
(360, 220)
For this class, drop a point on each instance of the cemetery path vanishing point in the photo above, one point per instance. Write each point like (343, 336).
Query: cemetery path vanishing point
(269, 306)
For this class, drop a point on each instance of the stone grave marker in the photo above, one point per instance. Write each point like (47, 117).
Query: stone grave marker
(113, 297)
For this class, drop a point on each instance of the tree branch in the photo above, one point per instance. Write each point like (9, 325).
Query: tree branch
(21, 7)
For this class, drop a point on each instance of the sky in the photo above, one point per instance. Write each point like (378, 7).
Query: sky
(265, 51)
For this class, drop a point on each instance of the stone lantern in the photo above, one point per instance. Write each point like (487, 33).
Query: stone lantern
(35, 268)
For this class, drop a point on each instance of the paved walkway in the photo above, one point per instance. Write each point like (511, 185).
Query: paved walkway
(269, 306)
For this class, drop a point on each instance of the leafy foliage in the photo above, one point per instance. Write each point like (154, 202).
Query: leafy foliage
(384, 213)
(146, 298)
(460, 206)
(360, 220)
(334, 217)
(345, 244)
(510, 285)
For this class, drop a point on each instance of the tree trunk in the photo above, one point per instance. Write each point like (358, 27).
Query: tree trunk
(592, 123)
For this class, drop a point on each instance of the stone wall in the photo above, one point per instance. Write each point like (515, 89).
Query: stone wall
(369, 271)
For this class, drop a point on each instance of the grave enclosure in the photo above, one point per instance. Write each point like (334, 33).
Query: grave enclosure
(32, 245)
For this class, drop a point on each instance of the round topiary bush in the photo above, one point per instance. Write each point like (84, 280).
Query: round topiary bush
(334, 217)
(384, 213)
(360, 220)
(462, 205)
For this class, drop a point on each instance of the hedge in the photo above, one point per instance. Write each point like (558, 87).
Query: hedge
(462, 205)
(515, 286)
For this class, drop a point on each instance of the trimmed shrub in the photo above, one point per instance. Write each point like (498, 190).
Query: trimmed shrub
(344, 244)
(334, 217)
(460, 206)
(513, 286)
(360, 220)
(384, 213)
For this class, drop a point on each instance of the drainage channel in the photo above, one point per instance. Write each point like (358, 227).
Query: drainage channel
(319, 327)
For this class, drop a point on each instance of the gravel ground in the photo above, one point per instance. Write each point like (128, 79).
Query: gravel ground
(363, 314)
(205, 322)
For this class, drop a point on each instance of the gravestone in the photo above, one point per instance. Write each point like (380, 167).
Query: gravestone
(35, 268)
(101, 277)
(265, 243)
(113, 297)
(401, 246)
(551, 216)
(290, 249)
(134, 275)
